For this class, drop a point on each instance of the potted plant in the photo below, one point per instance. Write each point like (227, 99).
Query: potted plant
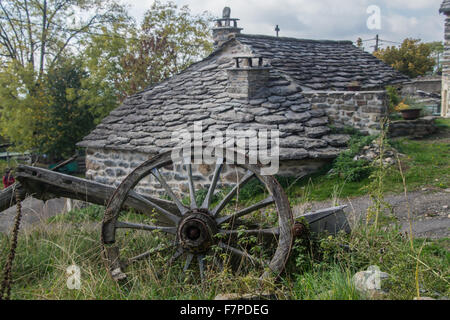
(409, 111)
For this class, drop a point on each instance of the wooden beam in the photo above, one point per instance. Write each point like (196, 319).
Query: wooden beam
(45, 185)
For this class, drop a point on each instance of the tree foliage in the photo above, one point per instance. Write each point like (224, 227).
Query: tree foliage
(37, 33)
(129, 58)
(65, 64)
(66, 118)
(36, 37)
(412, 58)
(359, 43)
(437, 52)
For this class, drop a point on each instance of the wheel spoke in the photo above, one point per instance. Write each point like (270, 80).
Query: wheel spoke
(165, 204)
(242, 254)
(149, 253)
(212, 188)
(243, 212)
(249, 175)
(176, 255)
(191, 187)
(136, 226)
(201, 265)
(169, 191)
(188, 262)
(150, 206)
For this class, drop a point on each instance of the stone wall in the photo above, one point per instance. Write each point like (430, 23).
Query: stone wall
(432, 84)
(362, 110)
(111, 167)
(445, 109)
(419, 128)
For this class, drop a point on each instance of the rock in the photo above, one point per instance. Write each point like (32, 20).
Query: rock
(316, 132)
(371, 283)
(423, 298)
(337, 140)
(447, 190)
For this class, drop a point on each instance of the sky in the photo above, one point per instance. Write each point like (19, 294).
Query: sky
(325, 19)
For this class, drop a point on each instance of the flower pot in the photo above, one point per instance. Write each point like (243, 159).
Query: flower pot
(411, 114)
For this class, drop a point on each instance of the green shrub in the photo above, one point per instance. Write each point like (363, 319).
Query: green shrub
(394, 98)
(345, 167)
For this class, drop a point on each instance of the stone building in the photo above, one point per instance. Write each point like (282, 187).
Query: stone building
(299, 87)
(445, 109)
(425, 90)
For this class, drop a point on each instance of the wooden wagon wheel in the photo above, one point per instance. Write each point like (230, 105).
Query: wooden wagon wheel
(198, 228)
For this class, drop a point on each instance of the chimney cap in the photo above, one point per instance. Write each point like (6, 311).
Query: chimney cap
(225, 28)
(226, 13)
(226, 18)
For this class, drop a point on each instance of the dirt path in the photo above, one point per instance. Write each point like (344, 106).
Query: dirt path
(430, 211)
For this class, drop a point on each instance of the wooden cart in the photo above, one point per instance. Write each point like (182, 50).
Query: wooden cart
(195, 230)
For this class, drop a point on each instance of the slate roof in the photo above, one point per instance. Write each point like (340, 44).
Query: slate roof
(145, 121)
(445, 7)
(323, 65)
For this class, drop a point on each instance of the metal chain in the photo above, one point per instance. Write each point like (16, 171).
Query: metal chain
(5, 293)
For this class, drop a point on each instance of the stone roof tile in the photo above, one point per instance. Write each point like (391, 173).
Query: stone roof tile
(323, 64)
(146, 121)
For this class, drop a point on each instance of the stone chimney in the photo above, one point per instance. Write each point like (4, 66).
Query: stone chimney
(445, 109)
(248, 77)
(225, 29)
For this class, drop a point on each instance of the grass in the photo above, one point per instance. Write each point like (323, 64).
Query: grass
(320, 267)
(426, 164)
(443, 123)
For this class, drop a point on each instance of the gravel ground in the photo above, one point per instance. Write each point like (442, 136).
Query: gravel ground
(430, 211)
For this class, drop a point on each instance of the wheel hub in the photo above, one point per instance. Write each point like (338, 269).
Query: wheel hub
(196, 231)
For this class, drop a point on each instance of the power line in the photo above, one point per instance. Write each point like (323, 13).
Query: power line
(379, 41)
(368, 40)
(394, 42)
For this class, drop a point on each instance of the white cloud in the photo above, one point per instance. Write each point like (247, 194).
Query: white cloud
(413, 4)
(324, 19)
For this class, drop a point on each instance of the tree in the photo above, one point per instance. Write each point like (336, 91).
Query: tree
(437, 51)
(66, 119)
(61, 74)
(55, 117)
(36, 36)
(126, 59)
(38, 32)
(412, 58)
(359, 43)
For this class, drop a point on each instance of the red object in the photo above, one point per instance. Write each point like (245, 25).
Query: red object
(8, 181)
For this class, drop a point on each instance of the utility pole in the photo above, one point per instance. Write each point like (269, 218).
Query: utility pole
(377, 39)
